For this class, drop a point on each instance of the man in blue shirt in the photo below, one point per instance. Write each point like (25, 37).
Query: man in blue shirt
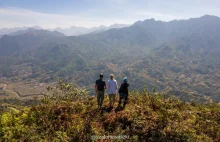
(100, 87)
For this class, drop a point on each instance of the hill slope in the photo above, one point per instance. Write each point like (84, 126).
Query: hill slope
(176, 56)
(68, 114)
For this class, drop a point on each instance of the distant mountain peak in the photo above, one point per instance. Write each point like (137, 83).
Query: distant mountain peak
(209, 16)
(36, 27)
(22, 31)
(43, 32)
(75, 31)
(35, 32)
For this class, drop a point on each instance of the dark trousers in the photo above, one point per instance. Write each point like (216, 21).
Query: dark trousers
(100, 98)
(124, 97)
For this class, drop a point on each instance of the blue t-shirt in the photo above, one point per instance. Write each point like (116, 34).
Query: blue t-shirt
(100, 84)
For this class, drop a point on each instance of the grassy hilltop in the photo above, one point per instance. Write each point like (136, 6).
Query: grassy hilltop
(70, 114)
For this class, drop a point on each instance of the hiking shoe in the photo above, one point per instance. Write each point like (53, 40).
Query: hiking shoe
(124, 105)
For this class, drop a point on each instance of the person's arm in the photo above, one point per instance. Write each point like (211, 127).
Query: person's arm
(120, 90)
(96, 85)
(105, 85)
(116, 85)
(96, 88)
(108, 84)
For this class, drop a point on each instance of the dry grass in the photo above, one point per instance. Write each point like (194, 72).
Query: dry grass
(26, 90)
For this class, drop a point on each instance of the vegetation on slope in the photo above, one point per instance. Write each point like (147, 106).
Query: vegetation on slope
(70, 114)
(177, 56)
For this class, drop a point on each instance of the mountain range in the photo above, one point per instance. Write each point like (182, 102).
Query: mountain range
(180, 57)
(75, 31)
(72, 31)
(7, 31)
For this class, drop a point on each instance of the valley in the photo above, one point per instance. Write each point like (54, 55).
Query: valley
(179, 58)
(20, 90)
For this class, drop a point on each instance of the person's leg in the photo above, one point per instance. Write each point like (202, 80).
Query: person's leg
(101, 98)
(125, 100)
(110, 100)
(120, 98)
(98, 99)
(113, 99)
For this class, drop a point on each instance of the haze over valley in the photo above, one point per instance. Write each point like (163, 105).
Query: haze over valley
(180, 57)
(71, 31)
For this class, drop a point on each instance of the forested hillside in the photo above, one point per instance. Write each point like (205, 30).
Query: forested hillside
(178, 57)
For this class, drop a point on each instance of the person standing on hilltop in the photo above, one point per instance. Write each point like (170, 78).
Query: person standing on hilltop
(100, 87)
(123, 92)
(112, 88)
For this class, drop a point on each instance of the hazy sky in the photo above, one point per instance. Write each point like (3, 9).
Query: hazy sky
(89, 13)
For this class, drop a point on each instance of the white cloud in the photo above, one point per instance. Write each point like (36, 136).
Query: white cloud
(15, 17)
(157, 16)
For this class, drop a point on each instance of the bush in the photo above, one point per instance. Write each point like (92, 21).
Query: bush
(67, 113)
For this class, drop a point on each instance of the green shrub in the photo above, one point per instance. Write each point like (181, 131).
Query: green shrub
(67, 113)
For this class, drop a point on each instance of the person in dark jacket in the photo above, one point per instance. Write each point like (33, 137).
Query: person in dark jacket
(100, 87)
(123, 92)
